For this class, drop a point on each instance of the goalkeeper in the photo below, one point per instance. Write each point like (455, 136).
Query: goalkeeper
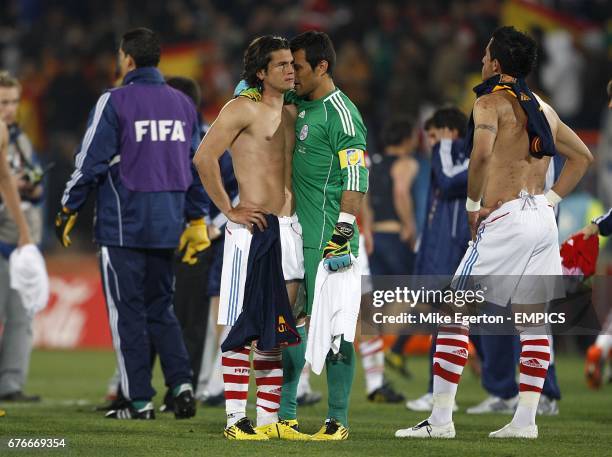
(329, 181)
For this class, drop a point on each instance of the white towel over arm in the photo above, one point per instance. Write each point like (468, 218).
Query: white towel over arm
(29, 277)
(335, 310)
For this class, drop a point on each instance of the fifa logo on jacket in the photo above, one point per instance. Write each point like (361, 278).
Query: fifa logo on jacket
(159, 130)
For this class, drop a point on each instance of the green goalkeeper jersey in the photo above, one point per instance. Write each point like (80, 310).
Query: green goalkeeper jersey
(329, 158)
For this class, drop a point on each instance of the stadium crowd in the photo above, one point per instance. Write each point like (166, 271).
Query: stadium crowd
(399, 62)
(393, 57)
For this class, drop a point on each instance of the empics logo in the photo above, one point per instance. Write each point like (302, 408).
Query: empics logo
(162, 130)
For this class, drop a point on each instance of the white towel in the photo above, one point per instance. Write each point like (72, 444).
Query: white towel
(29, 277)
(335, 310)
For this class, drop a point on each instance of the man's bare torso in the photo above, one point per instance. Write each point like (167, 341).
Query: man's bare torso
(260, 154)
(512, 168)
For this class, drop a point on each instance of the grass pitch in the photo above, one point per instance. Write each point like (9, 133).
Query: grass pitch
(72, 382)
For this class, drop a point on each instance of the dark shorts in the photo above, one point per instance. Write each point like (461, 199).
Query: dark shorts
(216, 264)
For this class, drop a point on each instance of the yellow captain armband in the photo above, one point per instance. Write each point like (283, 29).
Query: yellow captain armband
(352, 157)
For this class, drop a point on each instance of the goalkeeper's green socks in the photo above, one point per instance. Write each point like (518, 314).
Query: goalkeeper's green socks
(293, 363)
(340, 371)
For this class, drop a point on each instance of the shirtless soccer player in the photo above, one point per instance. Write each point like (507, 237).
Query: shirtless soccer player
(514, 135)
(260, 137)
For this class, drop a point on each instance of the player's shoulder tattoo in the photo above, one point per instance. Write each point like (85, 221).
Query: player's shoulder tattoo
(490, 128)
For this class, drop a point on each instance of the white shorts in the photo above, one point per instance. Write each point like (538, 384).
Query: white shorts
(235, 261)
(515, 253)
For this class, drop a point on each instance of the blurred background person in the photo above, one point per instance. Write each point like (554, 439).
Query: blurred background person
(16, 340)
(392, 175)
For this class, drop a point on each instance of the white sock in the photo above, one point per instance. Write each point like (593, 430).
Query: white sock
(373, 361)
(533, 365)
(604, 341)
(304, 382)
(526, 409)
(215, 381)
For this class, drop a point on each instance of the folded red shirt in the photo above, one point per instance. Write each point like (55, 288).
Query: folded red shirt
(579, 256)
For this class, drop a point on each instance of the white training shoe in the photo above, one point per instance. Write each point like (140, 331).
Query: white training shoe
(426, 430)
(511, 431)
(424, 404)
(547, 406)
(494, 405)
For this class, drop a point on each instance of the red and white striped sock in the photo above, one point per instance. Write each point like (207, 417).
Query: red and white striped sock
(269, 379)
(236, 371)
(534, 361)
(373, 360)
(448, 362)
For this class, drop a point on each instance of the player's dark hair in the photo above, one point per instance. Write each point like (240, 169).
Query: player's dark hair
(428, 124)
(317, 46)
(397, 130)
(451, 117)
(187, 86)
(143, 46)
(515, 51)
(257, 57)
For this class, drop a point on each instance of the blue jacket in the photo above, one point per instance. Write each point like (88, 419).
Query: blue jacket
(446, 233)
(605, 223)
(137, 152)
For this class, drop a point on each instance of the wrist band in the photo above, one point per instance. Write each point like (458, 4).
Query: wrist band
(552, 197)
(471, 205)
(346, 217)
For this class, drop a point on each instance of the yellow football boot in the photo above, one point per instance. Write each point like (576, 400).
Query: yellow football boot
(243, 430)
(284, 430)
(332, 430)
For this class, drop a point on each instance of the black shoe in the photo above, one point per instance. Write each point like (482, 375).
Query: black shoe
(118, 402)
(213, 400)
(386, 394)
(129, 412)
(168, 405)
(309, 398)
(184, 405)
(20, 397)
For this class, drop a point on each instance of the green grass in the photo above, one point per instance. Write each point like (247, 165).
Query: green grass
(584, 426)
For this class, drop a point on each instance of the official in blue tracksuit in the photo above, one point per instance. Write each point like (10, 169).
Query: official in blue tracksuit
(137, 154)
(446, 235)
